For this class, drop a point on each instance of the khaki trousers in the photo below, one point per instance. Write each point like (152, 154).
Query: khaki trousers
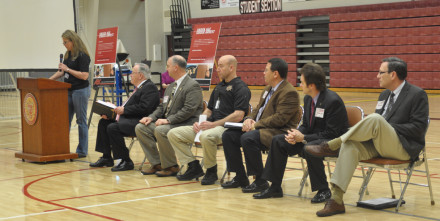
(369, 138)
(181, 138)
(147, 136)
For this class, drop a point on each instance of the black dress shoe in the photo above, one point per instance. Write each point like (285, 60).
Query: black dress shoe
(210, 176)
(255, 188)
(235, 182)
(269, 193)
(194, 171)
(123, 166)
(103, 162)
(322, 196)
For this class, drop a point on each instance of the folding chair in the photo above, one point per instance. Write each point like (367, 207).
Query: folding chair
(391, 164)
(133, 140)
(354, 114)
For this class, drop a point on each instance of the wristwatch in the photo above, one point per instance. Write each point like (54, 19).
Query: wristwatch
(304, 141)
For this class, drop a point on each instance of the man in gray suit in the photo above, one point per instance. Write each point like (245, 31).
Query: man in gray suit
(397, 130)
(182, 104)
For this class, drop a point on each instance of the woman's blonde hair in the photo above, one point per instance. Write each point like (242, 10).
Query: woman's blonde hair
(78, 45)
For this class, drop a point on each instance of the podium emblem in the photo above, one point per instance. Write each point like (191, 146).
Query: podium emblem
(30, 109)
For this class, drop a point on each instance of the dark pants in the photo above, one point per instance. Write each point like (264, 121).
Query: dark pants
(111, 139)
(252, 147)
(276, 163)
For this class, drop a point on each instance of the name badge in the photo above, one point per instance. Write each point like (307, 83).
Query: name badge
(66, 75)
(379, 105)
(165, 99)
(319, 112)
(217, 104)
(265, 94)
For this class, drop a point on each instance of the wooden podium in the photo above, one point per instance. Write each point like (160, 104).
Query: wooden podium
(44, 120)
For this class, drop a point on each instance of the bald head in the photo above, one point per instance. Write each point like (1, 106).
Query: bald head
(227, 67)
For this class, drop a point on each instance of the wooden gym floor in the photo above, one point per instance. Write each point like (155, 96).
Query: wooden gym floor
(74, 191)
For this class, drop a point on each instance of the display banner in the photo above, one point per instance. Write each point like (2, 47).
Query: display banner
(257, 6)
(204, 39)
(213, 4)
(106, 42)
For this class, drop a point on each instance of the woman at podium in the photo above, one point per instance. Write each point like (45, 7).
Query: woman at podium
(75, 71)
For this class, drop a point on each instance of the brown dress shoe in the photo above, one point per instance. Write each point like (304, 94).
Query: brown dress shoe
(331, 208)
(170, 171)
(152, 170)
(321, 150)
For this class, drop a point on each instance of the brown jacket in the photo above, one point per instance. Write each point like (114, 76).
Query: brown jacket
(281, 113)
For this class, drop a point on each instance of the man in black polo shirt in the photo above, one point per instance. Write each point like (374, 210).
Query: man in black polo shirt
(229, 102)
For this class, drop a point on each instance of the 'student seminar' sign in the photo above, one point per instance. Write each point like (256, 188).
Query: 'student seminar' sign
(257, 6)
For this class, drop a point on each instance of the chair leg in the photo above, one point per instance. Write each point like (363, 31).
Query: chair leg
(143, 162)
(329, 170)
(223, 177)
(404, 187)
(303, 181)
(363, 177)
(365, 182)
(304, 168)
(428, 177)
(393, 195)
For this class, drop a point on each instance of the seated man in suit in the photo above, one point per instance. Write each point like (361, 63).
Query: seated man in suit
(278, 110)
(182, 104)
(110, 137)
(229, 102)
(325, 118)
(396, 130)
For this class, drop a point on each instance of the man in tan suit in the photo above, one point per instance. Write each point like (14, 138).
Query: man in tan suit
(277, 111)
(182, 104)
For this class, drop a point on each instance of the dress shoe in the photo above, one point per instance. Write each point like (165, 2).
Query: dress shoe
(271, 192)
(152, 170)
(322, 196)
(170, 171)
(82, 155)
(123, 166)
(255, 188)
(331, 208)
(321, 150)
(103, 162)
(210, 176)
(194, 171)
(235, 182)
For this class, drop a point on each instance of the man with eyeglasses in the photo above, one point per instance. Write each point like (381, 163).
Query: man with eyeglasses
(396, 130)
(110, 138)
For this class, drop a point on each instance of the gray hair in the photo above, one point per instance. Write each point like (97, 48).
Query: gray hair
(144, 69)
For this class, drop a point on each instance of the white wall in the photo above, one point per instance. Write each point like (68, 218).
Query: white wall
(155, 33)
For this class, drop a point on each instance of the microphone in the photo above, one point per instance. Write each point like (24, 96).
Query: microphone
(61, 60)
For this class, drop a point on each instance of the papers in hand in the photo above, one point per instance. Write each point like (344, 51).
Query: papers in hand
(104, 108)
(233, 125)
(202, 118)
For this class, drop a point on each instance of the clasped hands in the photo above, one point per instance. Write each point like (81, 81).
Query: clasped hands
(147, 120)
(294, 136)
(205, 125)
(248, 125)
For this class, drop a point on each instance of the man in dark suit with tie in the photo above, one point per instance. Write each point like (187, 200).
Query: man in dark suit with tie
(325, 118)
(278, 110)
(182, 104)
(110, 137)
(396, 130)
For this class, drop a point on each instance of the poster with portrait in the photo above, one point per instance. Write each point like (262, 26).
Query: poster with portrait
(204, 40)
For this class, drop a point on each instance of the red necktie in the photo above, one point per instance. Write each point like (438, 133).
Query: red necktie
(312, 111)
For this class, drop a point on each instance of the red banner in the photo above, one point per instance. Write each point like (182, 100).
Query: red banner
(106, 42)
(201, 56)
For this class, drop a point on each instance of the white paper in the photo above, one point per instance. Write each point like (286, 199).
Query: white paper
(106, 104)
(202, 118)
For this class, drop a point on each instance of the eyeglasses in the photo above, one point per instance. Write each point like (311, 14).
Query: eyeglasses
(135, 72)
(383, 72)
(65, 42)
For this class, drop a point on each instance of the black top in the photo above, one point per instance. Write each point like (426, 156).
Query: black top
(228, 97)
(81, 63)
